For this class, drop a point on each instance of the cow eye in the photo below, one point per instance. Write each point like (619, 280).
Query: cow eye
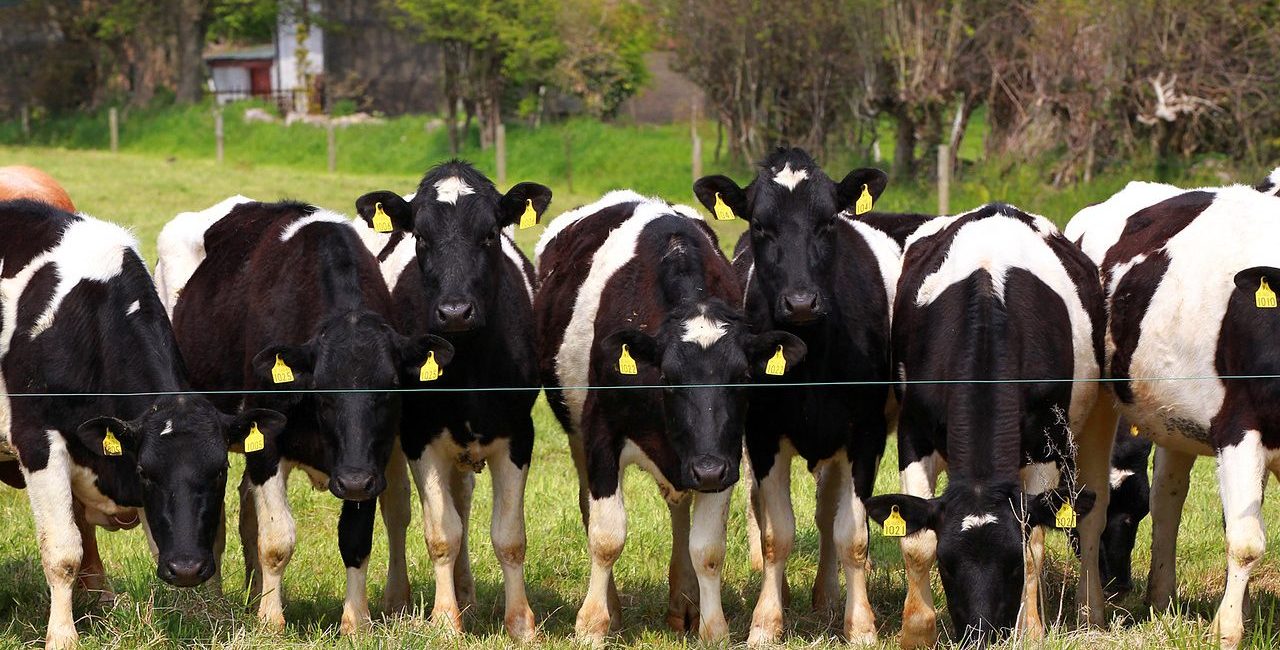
(491, 238)
(757, 229)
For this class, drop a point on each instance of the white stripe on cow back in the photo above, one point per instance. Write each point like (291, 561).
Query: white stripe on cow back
(790, 178)
(449, 190)
(180, 247)
(397, 260)
(319, 216)
(575, 215)
(974, 521)
(704, 330)
(89, 250)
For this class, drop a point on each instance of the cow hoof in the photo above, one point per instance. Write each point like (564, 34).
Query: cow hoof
(353, 622)
(919, 631)
(715, 631)
(682, 615)
(271, 620)
(593, 623)
(826, 597)
(395, 601)
(860, 634)
(765, 630)
(449, 621)
(61, 639)
(521, 626)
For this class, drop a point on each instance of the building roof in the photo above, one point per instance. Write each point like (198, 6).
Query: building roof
(253, 53)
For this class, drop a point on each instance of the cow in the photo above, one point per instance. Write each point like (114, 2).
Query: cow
(898, 225)
(1270, 184)
(95, 402)
(811, 270)
(23, 182)
(989, 296)
(180, 247)
(287, 297)
(1129, 505)
(635, 293)
(454, 270)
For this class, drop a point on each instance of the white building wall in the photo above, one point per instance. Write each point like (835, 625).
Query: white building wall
(284, 72)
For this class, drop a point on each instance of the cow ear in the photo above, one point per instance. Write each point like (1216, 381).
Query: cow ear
(271, 364)
(641, 348)
(1044, 508)
(270, 423)
(707, 187)
(520, 198)
(415, 350)
(1250, 279)
(393, 205)
(762, 348)
(94, 435)
(850, 189)
(918, 513)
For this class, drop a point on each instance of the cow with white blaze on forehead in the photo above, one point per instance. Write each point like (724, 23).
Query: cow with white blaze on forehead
(636, 293)
(1189, 278)
(453, 270)
(986, 300)
(811, 270)
(79, 316)
(288, 297)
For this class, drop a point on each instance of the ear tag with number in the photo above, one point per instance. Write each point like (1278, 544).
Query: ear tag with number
(1066, 517)
(255, 441)
(430, 369)
(1133, 430)
(863, 205)
(894, 524)
(111, 444)
(626, 365)
(1265, 297)
(777, 364)
(722, 210)
(381, 222)
(530, 217)
(281, 373)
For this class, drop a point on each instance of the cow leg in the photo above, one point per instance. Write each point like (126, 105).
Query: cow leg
(93, 576)
(1170, 482)
(463, 488)
(396, 515)
(606, 537)
(753, 526)
(706, 551)
(443, 527)
(219, 547)
(1036, 479)
(682, 581)
(919, 619)
(1093, 460)
(355, 542)
(778, 528)
(1242, 474)
(826, 584)
(49, 491)
(579, 454)
(852, 540)
(509, 542)
(249, 539)
(276, 538)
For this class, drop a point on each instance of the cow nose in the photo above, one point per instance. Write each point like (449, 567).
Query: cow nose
(456, 315)
(710, 474)
(800, 306)
(354, 485)
(186, 572)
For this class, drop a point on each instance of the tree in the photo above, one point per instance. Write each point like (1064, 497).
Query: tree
(602, 58)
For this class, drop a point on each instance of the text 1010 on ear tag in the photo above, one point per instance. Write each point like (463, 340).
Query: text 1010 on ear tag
(894, 524)
(1265, 297)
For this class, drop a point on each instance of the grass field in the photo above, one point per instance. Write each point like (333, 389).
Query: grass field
(144, 190)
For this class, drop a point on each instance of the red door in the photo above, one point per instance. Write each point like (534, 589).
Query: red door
(260, 81)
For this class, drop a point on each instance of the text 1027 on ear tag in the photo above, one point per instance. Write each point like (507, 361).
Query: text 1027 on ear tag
(281, 373)
(111, 444)
(894, 524)
(255, 441)
(1066, 517)
(626, 365)
(381, 222)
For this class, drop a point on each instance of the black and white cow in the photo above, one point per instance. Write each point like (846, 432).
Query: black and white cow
(1270, 184)
(1177, 267)
(898, 225)
(453, 270)
(635, 279)
(1130, 503)
(80, 315)
(989, 296)
(811, 270)
(288, 285)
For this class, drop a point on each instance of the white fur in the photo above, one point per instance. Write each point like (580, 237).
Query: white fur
(1098, 227)
(49, 491)
(451, 189)
(180, 247)
(1118, 476)
(575, 215)
(888, 255)
(790, 178)
(1273, 179)
(90, 250)
(1040, 477)
(319, 216)
(400, 257)
(930, 227)
(168, 428)
(703, 330)
(513, 255)
(133, 307)
(277, 535)
(974, 521)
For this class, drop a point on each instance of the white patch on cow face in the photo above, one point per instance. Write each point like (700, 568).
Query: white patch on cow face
(790, 178)
(974, 521)
(168, 428)
(451, 189)
(1118, 476)
(704, 330)
(89, 250)
(133, 307)
(319, 216)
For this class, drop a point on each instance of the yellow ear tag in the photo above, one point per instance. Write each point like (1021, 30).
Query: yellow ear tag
(1266, 298)
(1133, 430)
(430, 369)
(863, 205)
(1066, 517)
(381, 222)
(111, 444)
(255, 441)
(894, 524)
(530, 217)
(626, 365)
(777, 364)
(723, 211)
(281, 373)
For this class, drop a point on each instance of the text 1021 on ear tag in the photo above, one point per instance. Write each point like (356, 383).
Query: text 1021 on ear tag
(255, 441)
(281, 373)
(381, 222)
(863, 205)
(626, 365)
(894, 524)
(530, 217)
(1066, 517)
(430, 369)
(111, 444)
(1265, 297)
(777, 364)
(722, 210)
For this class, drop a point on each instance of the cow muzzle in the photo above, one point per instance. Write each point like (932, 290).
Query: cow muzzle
(710, 473)
(185, 571)
(800, 307)
(356, 484)
(458, 316)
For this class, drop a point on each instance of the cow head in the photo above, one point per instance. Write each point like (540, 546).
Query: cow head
(982, 530)
(1129, 505)
(705, 344)
(353, 359)
(178, 450)
(793, 210)
(457, 218)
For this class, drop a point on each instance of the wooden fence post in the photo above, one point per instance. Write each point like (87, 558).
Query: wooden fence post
(944, 179)
(113, 123)
(217, 131)
(500, 153)
(333, 145)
